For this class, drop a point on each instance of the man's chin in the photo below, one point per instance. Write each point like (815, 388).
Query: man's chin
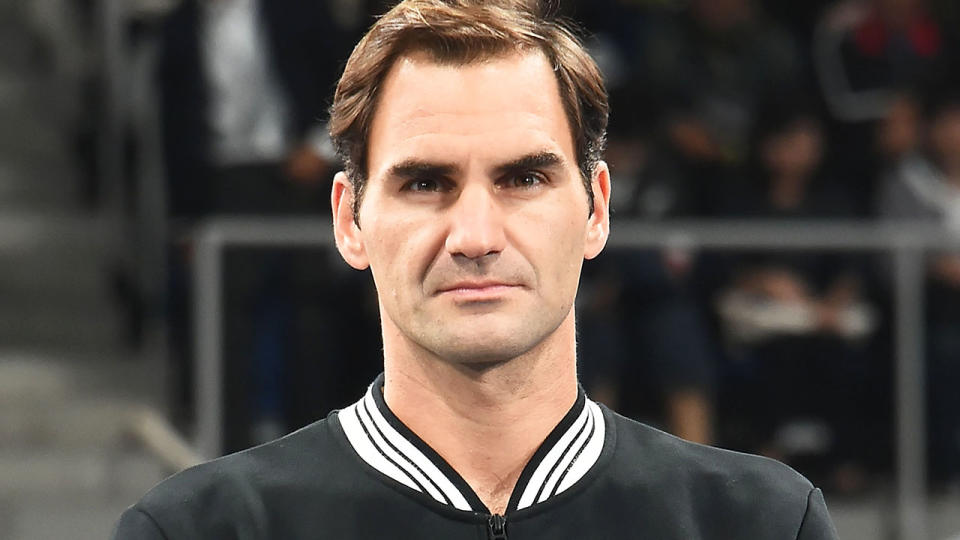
(482, 342)
(483, 353)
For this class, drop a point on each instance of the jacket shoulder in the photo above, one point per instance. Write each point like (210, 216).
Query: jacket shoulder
(641, 444)
(239, 491)
(756, 496)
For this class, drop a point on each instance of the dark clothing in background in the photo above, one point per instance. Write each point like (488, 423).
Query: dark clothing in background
(652, 339)
(306, 50)
(766, 380)
(301, 48)
(721, 78)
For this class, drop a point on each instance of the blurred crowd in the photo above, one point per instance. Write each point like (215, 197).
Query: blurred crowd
(742, 109)
(739, 109)
(728, 109)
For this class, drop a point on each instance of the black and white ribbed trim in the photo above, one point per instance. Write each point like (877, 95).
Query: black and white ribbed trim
(382, 446)
(384, 443)
(568, 460)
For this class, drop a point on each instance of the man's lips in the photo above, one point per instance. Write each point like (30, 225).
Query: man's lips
(477, 288)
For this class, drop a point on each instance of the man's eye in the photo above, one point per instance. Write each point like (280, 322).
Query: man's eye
(422, 185)
(525, 180)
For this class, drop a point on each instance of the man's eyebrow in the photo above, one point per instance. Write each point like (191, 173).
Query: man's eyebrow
(415, 168)
(418, 168)
(536, 160)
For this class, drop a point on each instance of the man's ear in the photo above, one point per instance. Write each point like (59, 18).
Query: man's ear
(346, 232)
(598, 225)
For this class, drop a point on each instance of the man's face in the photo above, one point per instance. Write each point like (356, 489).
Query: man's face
(474, 220)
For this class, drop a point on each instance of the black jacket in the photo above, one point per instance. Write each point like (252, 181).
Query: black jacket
(360, 473)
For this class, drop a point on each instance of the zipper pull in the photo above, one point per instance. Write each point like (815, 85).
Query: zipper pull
(497, 527)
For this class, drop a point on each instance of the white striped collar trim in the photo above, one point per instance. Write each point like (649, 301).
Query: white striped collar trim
(388, 446)
(382, 446)
(568, 460)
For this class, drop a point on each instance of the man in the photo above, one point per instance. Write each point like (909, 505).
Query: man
(471, 132)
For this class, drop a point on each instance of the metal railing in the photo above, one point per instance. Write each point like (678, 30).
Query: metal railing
(906, 242)
(114, 79)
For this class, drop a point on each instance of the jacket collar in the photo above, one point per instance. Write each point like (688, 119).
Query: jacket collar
(390, 447)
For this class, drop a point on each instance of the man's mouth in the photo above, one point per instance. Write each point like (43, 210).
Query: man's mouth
(478, 290)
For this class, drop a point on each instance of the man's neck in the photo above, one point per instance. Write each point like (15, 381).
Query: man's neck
(485, 421)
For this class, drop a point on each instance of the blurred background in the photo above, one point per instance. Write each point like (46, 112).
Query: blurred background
(783, 276)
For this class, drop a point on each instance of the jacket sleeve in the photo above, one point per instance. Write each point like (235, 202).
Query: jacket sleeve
(135, 524)
(817, 524)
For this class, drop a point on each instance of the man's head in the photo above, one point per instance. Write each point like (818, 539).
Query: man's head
(470, 163)
(462, 32)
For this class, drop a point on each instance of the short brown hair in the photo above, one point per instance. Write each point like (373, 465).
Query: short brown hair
(460, 32)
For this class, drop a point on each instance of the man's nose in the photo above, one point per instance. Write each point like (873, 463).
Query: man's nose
(476, 228)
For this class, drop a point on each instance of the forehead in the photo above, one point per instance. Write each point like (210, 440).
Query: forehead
(490, 110)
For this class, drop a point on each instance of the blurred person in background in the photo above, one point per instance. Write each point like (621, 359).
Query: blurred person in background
(866, 49)
(787, 175)
(243, 89)
(708, 71)
(243, 86)
(925, 185)
(864, 52)
(651, 353)
(796, 322)
(899, 133)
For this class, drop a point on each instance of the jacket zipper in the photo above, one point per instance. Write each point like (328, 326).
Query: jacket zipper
(497, 527)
